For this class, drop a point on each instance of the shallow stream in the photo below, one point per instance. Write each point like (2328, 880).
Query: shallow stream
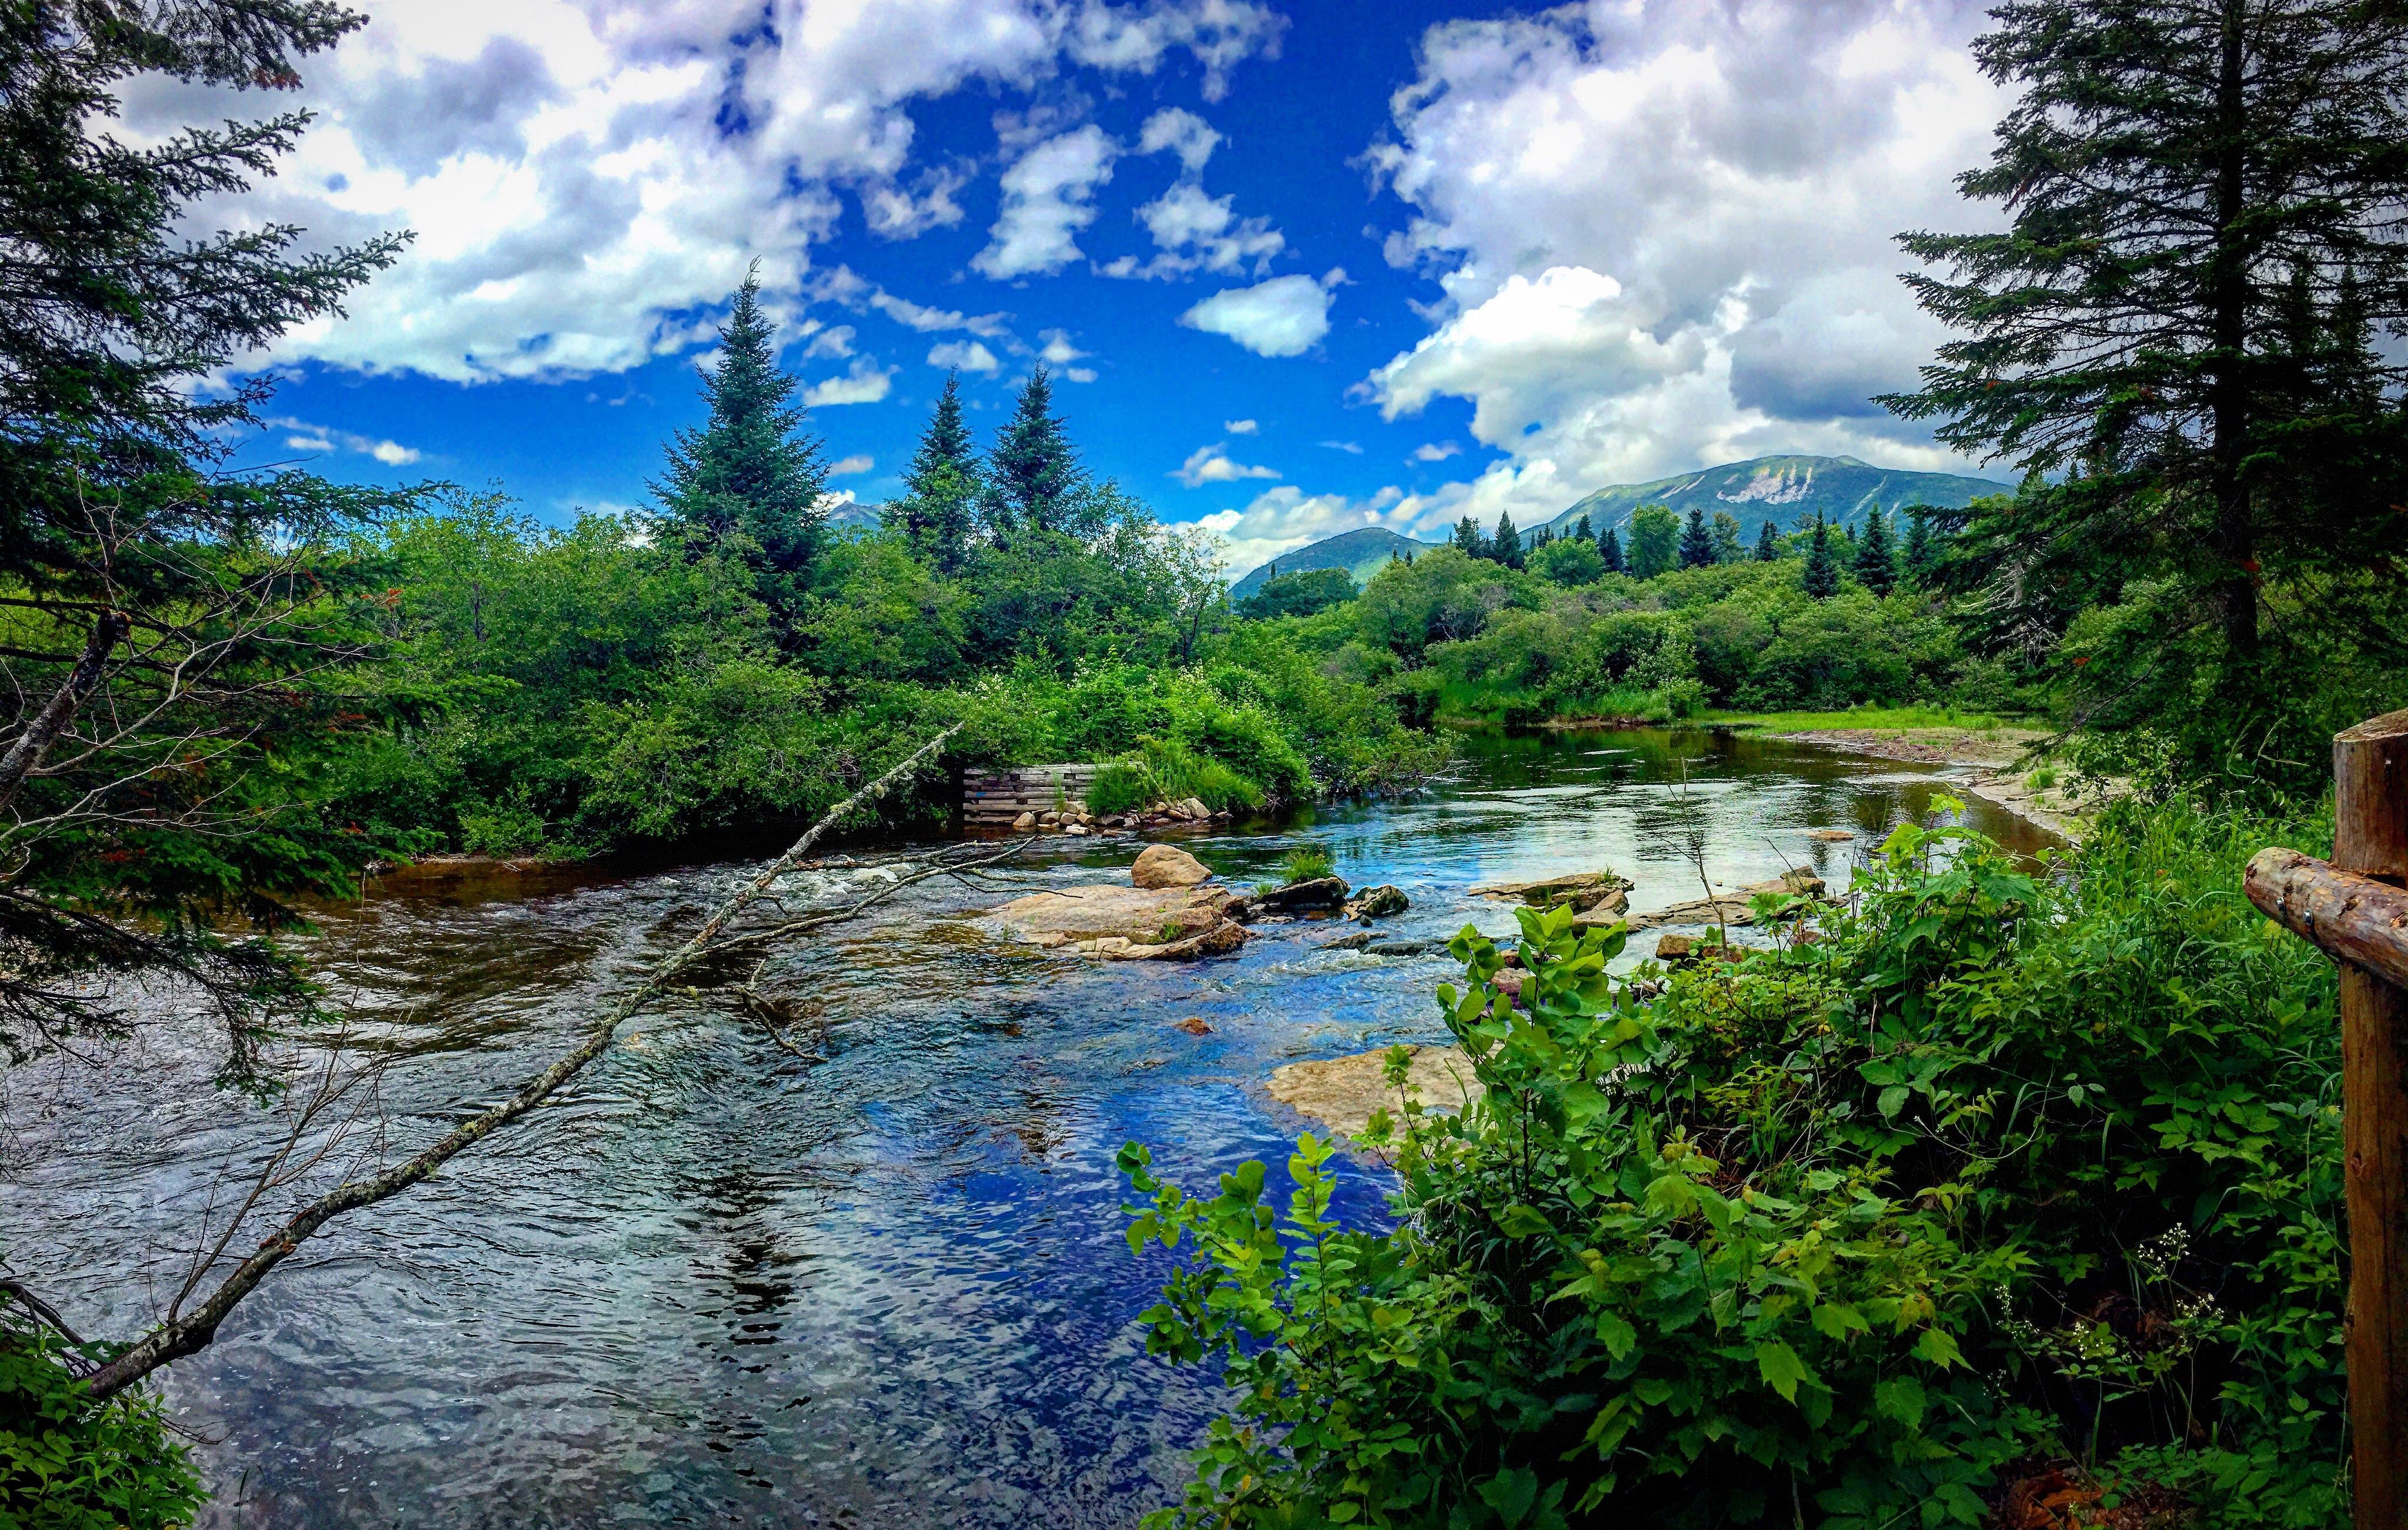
(883, 1284)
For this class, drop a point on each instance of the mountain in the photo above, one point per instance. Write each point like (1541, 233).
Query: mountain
(1359, 552)
(1783, 489)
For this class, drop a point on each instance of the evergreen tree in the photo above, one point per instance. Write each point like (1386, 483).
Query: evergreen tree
(1697, 543)
(1727, 549)
(1876, 569)
(1505, 543)
(1768, 543)
(1467, 539)
(1541, 538)
(1581, 530)
(748, 480)
(1822, 575)
(1608, 546)
(2183, 178)
(1034, 479)
(1922, 555)
(941, 488)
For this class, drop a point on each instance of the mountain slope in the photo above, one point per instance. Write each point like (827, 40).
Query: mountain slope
(1359, 552)
(1784, 490)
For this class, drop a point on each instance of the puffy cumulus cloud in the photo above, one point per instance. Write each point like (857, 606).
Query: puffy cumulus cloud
(1240, 427)
(845, 467)
(1665, 232)
(1212, 464)
(1048, 197)
(1058, 350)
(863, 382)
(968, 355)
(835, 341)
(1282, 519)
(1286, 316)
(589, 179)
(1435, 452)
(1181, 132)
(1193, 230)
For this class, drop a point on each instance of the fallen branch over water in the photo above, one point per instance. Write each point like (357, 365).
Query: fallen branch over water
(186, 1333)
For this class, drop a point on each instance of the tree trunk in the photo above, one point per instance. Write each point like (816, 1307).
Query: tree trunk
(43, 729)
(2232, 543)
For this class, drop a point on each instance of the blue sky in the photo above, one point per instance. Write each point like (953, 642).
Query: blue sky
(1298, 269)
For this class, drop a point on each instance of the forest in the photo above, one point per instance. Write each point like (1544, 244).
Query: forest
(2006, 1192)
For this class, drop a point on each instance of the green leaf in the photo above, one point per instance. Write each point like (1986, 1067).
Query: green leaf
(1899, 1397)
(1893, 1100)
(1781, 1368)
(1939, 1347)
(1519, 1220)
(1617, 1334)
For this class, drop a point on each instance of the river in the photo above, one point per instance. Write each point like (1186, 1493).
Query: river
(883, 1283)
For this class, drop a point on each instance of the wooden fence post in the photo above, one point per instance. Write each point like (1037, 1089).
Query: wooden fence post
(2370, 838)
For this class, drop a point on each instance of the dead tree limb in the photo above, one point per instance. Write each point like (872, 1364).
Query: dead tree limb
(47, 725)
(186, 1335)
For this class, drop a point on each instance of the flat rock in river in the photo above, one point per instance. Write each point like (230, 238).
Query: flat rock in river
(1141, 915)
(1341, 1092)
(1582, 890)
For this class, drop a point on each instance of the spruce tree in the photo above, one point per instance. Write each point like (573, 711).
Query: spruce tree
(1727, 549)
(1768, 543)
(1034, 480)
(1581, 530)
(1922, 555)
(1822, 575)
(1608, 546)
(749, 480)
(1697, 543)
(1505, 543)
(939, 509)
(1467, 539)
(1876, 569)
(2183, 178)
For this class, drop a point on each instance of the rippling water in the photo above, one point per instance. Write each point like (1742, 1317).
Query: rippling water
(881, 1284)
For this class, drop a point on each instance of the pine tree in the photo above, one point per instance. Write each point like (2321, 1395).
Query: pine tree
(1822, 575)
(1581, 530)
(939, 509)
(1467, 539)
(1768, 543)
(1697, 543)
(2172, 169)
(1608, 546)
(1922, 556)
(748, 480)
(1505, 543)
(1876, 569)
(1034, 480)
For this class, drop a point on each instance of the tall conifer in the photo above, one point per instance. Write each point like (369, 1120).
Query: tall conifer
(1821, 578)
(1034, 480)
(942, 487)
(1696, 542)
(1768, 543)
(1876, 567)
(1505, 543)
(1608, 546)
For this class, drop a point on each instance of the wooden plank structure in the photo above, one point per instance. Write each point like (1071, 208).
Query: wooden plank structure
(2356, 909)
(991, 799)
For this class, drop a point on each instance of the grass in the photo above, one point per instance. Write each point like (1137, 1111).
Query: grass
(1307, 863)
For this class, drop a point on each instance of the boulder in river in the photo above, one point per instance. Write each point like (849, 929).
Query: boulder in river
(1167, 866)
(1318, 892)
(1582, 890)
(1379, 902)
(1341, 1092)
(1350, 940)
(1401, 948)
(1731, 909)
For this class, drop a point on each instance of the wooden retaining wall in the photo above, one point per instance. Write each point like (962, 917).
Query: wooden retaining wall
(991, 799)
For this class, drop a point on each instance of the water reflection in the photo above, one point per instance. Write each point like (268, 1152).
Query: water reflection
(879, 1283)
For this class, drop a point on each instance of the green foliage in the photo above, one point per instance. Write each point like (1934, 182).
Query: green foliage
(1821, 577)
(1034, 479)
(1696, 542)
(943, 488)
(1304, 592)
(1876, 565)
(1568, 563)
(1119, 787)
(2003, 1167)
(1655, 537)
(1768, 543)
(1505, 543)
(69, 1463)
(1609, 549)
(1307, 863)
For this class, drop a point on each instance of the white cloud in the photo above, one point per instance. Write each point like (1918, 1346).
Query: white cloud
(1240, 427)
(311, 438)
(1059, 350)
(1080, 374)
(589, 179)
(865, 382)
(968, 355)
(1181, 132)
(845, 467)
(1280, 520)
(1664, 233)
(1048, 197)
(1353, 449)
(1212, 464)
(1286, 316)
(835, 342)
(1438, 452)
(843, 284)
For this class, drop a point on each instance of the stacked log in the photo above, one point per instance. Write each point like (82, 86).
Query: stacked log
(994, 799)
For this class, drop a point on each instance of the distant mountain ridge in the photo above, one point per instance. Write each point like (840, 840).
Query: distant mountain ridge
(1360, 553)
(1783, 489)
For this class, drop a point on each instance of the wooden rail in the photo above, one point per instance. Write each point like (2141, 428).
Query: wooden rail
(2356, 909)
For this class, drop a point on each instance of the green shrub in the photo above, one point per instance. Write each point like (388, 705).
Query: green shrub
(1180, 773)
(2005, 1167)
(1307, 863)
(69, 1463)
(1118, 788)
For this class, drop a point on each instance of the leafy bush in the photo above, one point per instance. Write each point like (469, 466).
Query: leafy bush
(1307, 863)
(1118, 788)
(2002, 1168)
(69, 1463)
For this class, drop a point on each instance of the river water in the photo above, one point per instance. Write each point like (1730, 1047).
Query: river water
(883, 1283)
